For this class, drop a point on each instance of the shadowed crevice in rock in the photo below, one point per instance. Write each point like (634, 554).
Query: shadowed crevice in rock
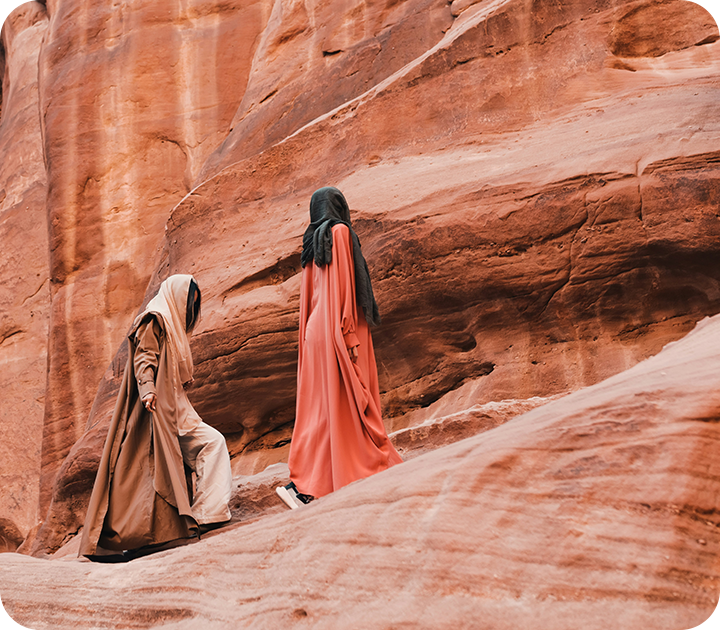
(275, 274)
(10, 536)
(682, 163)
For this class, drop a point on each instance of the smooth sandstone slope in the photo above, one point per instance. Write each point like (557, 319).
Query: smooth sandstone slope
(539, 212)
(598, 508)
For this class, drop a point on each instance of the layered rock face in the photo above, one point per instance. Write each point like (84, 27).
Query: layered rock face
(535, 187)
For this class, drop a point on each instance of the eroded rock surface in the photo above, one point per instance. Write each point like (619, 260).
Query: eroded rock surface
(535, 186)
(133, 98)
(598, 506)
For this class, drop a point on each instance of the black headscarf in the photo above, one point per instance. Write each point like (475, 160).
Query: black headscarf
(328, 208)
(192, 312)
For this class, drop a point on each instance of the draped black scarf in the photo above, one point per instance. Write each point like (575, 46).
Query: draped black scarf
(328, 208)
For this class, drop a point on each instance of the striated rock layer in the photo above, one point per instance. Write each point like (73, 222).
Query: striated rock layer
(599, 507)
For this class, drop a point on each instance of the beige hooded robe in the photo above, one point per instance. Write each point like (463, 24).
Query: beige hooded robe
(140, 496)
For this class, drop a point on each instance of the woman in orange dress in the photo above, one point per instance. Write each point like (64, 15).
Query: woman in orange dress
(339, 435)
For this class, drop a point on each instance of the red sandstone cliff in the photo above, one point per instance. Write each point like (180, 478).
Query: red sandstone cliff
(535, 185)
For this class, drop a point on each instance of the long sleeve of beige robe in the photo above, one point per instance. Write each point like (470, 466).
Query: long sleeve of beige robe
(147, 356)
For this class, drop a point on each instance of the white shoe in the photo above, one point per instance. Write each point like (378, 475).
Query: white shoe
(292, 498)
(287, 497)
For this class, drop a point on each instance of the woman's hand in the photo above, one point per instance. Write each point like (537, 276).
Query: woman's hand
(187, 384)
(353, 352)
(149, 401)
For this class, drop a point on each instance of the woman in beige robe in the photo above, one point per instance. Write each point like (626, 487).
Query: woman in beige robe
(140, 498)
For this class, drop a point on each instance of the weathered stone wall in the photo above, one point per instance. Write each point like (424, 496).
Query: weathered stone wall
(134, 96)
(24, 276)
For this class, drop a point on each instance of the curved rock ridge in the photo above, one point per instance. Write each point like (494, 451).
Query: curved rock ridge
(598, 507)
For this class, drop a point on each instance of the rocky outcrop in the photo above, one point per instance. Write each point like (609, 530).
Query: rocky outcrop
(596, 508)
(485, 219)
(505, 233)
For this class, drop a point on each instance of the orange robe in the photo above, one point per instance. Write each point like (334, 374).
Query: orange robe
(339, 435)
